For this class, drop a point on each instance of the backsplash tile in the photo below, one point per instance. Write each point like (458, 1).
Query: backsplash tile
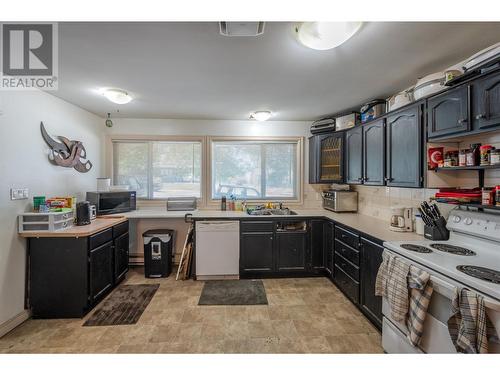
(377, 201)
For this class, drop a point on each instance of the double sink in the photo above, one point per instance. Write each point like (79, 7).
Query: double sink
(272, 211)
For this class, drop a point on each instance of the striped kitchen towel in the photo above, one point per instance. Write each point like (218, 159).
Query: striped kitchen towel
(469, 326)
(391, 283)
(421, 290)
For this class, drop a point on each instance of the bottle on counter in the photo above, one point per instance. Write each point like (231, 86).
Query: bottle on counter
(223, 203)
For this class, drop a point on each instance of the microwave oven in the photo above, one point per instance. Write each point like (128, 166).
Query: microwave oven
(112, 202)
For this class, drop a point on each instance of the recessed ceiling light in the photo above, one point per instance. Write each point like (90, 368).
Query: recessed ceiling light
(117, 96)
(260, 115)
(325, 35)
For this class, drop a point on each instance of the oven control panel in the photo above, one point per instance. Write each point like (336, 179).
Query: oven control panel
(475, 223)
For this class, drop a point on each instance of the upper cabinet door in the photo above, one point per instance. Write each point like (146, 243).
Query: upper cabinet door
(404, 148)
(374, 153)
(331, 154)
(354, 155)
(486, 94)
(448, 113)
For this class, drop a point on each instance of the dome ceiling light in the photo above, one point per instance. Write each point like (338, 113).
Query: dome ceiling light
(261, 115)
(325, 35)
(117, 96)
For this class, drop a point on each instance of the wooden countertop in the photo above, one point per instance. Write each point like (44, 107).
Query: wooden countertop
(95, 226)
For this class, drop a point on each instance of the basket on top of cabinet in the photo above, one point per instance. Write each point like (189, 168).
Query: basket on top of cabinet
(45, 222)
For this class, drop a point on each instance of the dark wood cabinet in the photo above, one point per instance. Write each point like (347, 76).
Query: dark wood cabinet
(486, 103)
(121, 251)
(328, 247)
(101, 270)
(346, 262)
(371, 258)
(374, 153)
(70, 275)
(404, 148)
(256, 252)
(449, 113)
(326, 158)
(291, 252)
(354, 156)
(365, 154)
(317, 245)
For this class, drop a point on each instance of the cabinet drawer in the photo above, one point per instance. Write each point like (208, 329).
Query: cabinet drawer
(100, 238)
(347, 252)
(347, 237)
(347, 266)
(256, 226)
(120, 229)
(347, 285)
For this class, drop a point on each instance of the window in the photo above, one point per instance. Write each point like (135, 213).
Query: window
(254, 169)
(157, 169)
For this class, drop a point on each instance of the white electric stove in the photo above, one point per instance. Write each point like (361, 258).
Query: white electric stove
(469, 259)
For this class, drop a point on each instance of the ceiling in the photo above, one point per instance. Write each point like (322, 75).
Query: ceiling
(189, 71)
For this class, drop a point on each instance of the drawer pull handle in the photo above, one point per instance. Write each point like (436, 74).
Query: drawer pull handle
(480, 116)
(462, 121)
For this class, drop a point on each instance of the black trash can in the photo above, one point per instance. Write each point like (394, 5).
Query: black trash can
(158, 244)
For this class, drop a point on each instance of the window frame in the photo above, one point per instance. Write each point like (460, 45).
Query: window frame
(299, 166)
(206, 200)
(161, 138)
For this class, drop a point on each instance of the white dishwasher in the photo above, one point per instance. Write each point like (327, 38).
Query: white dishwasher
(217, 250)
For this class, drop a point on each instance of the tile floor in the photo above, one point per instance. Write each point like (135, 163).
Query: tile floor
(306, 315)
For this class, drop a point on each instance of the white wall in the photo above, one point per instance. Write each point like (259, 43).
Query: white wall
(312, 198)
(209, 127)
(24, 164)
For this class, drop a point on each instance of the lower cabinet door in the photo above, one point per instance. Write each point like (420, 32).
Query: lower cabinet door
(291, 252)
(317, 250)
(328, 231)
(371, 258)
(256, 253)
(101, 270)
(121, 257)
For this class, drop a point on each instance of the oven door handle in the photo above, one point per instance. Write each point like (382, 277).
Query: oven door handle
(443, 287)
(448, 290)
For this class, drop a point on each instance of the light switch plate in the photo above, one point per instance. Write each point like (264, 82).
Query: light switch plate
(17, 194)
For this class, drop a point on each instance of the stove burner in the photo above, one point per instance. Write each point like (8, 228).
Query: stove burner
(456, 250)
(482, 273)
(416, 248)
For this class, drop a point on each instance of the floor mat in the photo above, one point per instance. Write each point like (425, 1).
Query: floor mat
(124, 306)
(233, 292)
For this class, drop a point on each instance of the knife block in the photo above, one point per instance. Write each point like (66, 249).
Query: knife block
(438, 232)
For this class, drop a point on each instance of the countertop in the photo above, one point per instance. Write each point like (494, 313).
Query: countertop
(373, 227)
(95, 226)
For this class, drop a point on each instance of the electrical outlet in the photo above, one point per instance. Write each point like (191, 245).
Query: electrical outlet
(17, 194)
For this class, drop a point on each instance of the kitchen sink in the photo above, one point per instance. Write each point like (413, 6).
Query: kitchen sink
(268, 212)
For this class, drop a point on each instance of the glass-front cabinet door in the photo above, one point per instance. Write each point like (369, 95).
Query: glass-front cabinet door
(326, 158)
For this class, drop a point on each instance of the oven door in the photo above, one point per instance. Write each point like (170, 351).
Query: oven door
(436, 338)
(116, 202)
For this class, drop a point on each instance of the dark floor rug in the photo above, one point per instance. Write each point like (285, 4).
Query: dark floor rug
(124, 306)
(233, 292)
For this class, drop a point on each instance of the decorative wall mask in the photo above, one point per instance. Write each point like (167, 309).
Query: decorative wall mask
(69, 154)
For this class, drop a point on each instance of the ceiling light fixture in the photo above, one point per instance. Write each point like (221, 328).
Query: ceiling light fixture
(260, 115)
(325, 35)
(117, 96)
